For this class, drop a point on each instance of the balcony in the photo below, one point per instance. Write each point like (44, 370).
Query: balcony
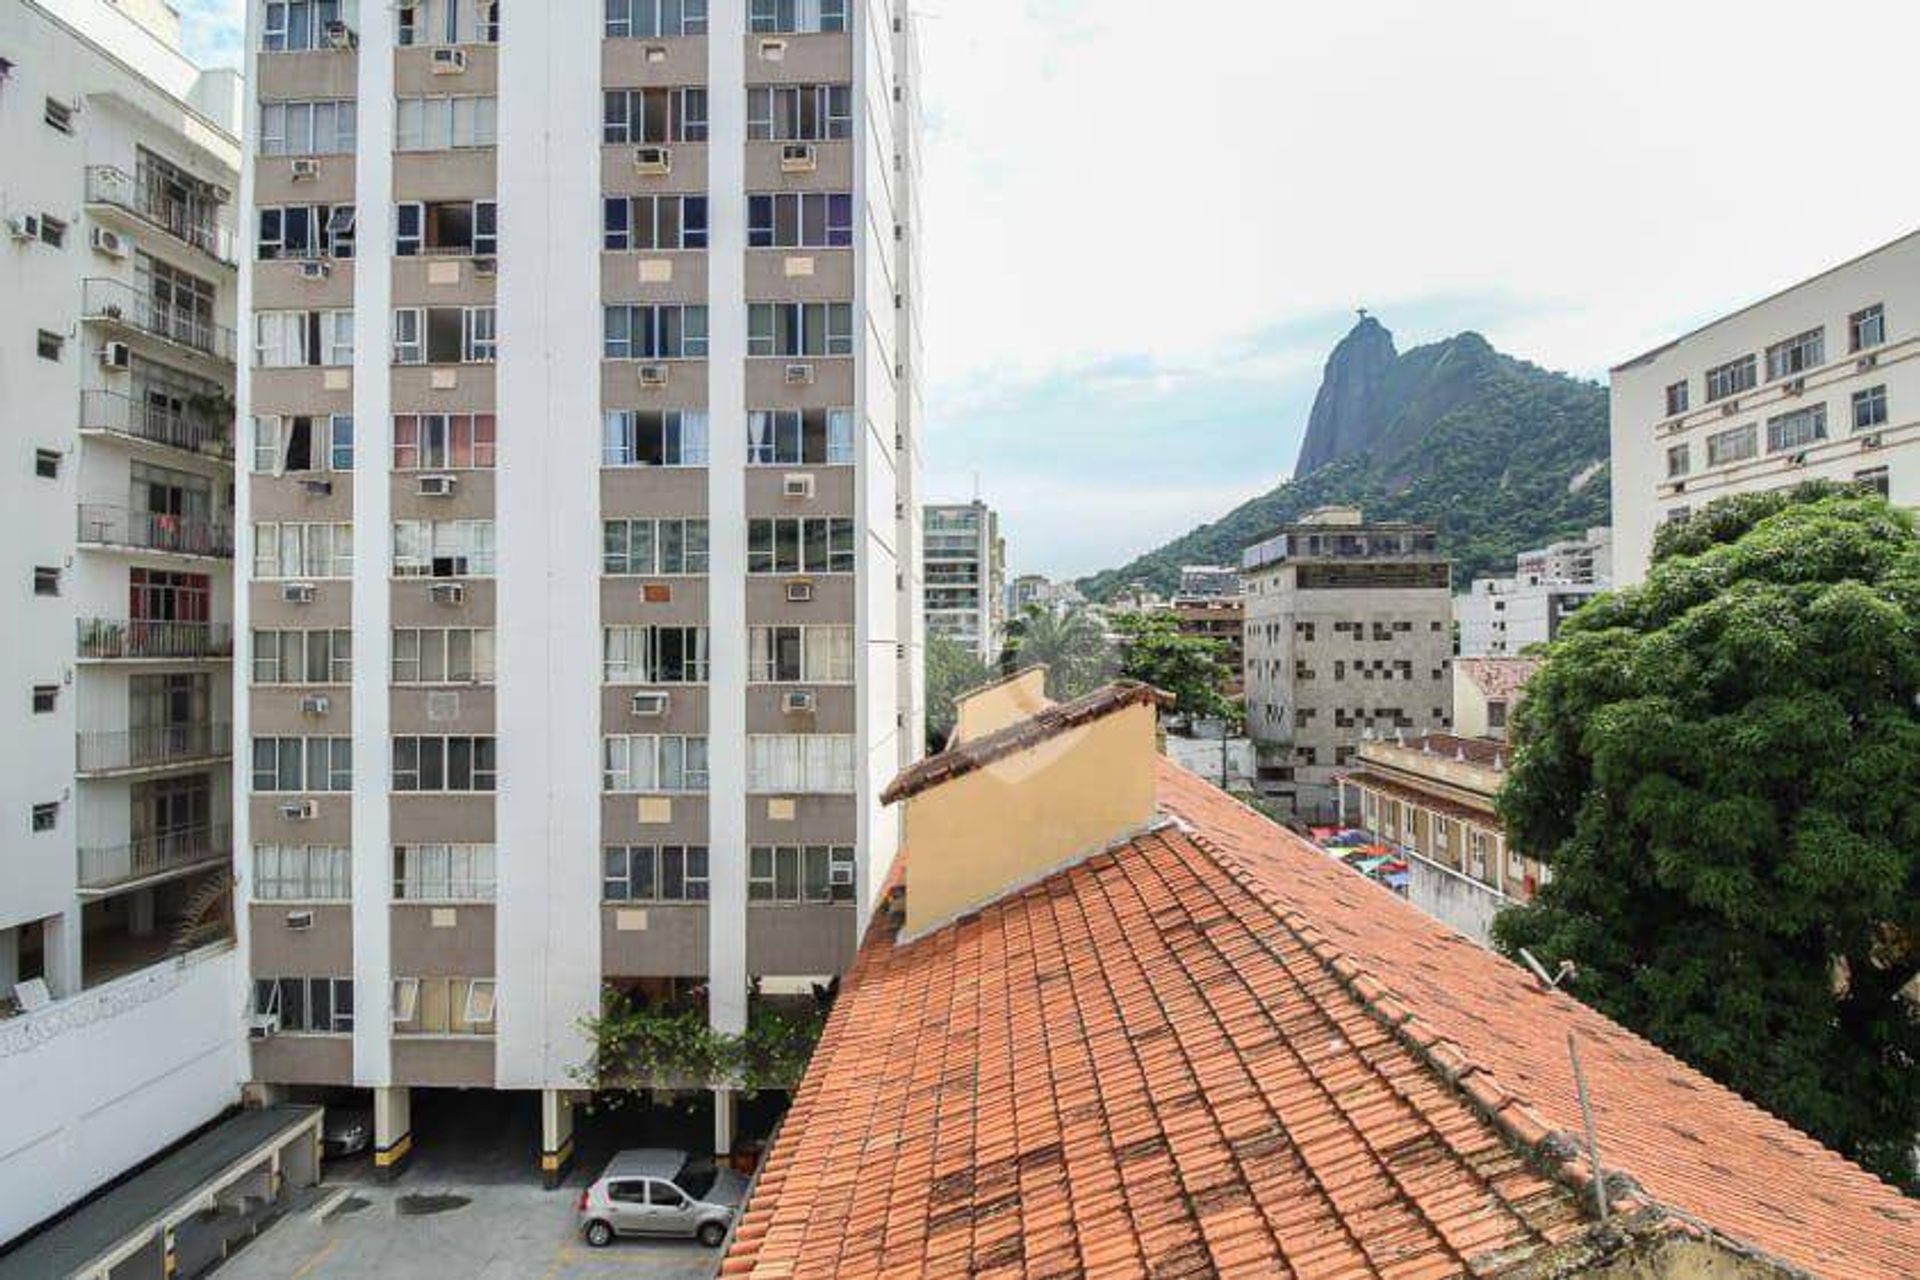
(105, 751)
(158, 204)
(204, 432)
(109, 639)
(106, 525)
(112, 302)
(105, 868)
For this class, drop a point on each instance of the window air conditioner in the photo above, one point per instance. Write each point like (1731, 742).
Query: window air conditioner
(315, 704)
(486, 266)
(799, 375)
(116, 355)
(796, 485)
(840, 873)
(299, 920)
(649, 704)
(1866, 362)
(297, 592)
(1870, 442)
(653, 159)
(1730, 408)
(262, 1026)
(304, 167)
(110, 242)
(220, 194)
(312, 270)
(449, 62)
(299, 810)
(341, 36)
(798, 702)
(1794, 386)
(799, 157)
(316, 487)
(436, 486)
(25, 227)
(448, 592)
(799, 592)
(653, 375)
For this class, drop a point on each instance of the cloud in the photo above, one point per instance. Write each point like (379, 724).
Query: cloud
(213, 30)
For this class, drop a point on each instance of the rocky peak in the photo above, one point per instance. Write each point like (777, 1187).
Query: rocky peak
(1344, 420)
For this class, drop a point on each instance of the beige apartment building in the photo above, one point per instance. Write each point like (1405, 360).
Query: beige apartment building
(1348, 629)
(581, 523)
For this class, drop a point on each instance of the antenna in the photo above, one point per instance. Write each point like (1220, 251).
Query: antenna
(1566, 970)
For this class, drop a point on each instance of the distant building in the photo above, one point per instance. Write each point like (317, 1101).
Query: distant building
(1348, 628)
(1486, 691)
(1217, 618)
(1502, 617)
(1587, 560)
(1814, 382)
(1208, 580)
(965, 568)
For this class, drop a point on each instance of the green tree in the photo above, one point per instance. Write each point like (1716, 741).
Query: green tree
(952, 669)
(1722, 768)
(1072, 644)
(1192, 668)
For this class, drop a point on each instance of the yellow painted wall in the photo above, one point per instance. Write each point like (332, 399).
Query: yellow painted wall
(998, 705)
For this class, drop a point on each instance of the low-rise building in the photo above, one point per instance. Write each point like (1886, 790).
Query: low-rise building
(1486, 691)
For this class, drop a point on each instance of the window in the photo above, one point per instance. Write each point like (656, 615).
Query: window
(45, 817)
(800, 655)
(654, 222)
(1736, 445)
(1730, 379)
(656, 18)
(302, 551)
(644, 873)
(295, 25)
(323, 128)
(53, 232)
(443, 1006)
(443, 549)
(49, 344)
(46, 464)
(655, 655)
(1496, 714)
(445, 124)
(1867, 328)
(443, 441)
(1677, 399)
(1870, 408)
(802, 762)
(799, 329)
(789, 873)
(288, 446)
(296, 339)
(800, 437)
(315, 1006)
(1797, 354)
(303, 657)
(800, 545)
(1875, 479)
(453, 763)
(443, 335)
(799, 113)
(1797, 429)
(46, 698)
(302, 873)
(302, 764)
(796, 16)
(654, 115)
(1679, 461)
(46, 581)
(800, 220)
(669, 332)
(447, 229)
(653, 763)
(644, 438)
(649, 547)
(444, 872)
(443, 655)
(1676, 514)
(448, 22)
(59, 115)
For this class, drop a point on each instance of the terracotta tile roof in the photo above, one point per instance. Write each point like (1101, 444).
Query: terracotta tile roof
(1481, 751)
(1400, 790)
(1047, 723)
(1500, 679)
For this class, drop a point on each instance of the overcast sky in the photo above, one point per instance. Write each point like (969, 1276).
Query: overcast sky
(1147, 223)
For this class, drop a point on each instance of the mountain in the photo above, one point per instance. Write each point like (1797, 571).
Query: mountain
(1498, 454)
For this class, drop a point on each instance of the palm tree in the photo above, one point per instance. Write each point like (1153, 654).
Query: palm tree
(1071, 643)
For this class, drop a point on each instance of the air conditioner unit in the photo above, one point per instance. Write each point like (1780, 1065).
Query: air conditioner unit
(220, 194)
(653, 375)
(304, 167)
(110, 242)
(1870, 442)
(799, 375)
(840, 873)
(436, 486)
(313, 270)
(653, 160)
(798, 702)
(315, 704)
(649, 704)
(486, 266)
(1798, 460)
(796, 485)
(262, 1026)
(448, 592)
(449, 62)
(299, 810)
(116, 355)
(799, 157)
(799, 592)
(317, 487)
(341, 36)
(1794, 386)
(299, 920)
(1730, 408)
(25, 227)
(1866, 362)
(297, 592)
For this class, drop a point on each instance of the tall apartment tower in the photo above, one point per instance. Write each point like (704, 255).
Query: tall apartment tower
(580, 523)
(966, 569)
(118, 159)
(1348, 637)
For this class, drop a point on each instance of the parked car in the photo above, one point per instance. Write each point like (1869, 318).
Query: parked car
(656, 1192)
(346, 1131)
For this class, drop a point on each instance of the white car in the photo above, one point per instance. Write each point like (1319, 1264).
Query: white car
(652, 1191)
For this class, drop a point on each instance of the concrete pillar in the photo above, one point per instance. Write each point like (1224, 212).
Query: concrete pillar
(140, 913)
(725, 1104)
(556, 1136)
(60, 942)
(392, 1130)
(9, 959)
(1340, 790)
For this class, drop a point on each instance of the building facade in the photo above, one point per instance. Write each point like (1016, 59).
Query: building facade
(966, 567)
(1222, 619)
(1587, 560)
(1504, 617)
(1819, 381)
(1348, 628)
(118, 160)
(1208, 581)
(582, 523)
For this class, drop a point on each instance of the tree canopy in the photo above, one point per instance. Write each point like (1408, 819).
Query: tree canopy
(1192, 668)
(1072, 644)
(952, 669)
(1721, 767)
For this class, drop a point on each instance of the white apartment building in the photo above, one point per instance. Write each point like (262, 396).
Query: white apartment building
(1207, 581)
(581, 527)
(119, 1027)
(1503, 617)
(1819, 381)
(1587, 560)
(965, 561)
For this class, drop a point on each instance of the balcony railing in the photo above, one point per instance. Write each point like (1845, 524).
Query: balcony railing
(105, 866)
(191, 430)
(149, 638)
(115, 302)
(105, 525)
(107, 750)
(154, 203)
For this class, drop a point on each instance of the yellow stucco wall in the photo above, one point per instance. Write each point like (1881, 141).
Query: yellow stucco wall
(999, 705)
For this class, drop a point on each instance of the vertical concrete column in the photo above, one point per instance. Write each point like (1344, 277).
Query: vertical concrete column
(60, 945)
(725, 1117)
(392, 1130)
(9, 958)
(140, 913)
(556, 1136)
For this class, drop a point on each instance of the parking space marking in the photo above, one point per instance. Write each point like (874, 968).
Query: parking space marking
(306, 1268)
(326, 1207)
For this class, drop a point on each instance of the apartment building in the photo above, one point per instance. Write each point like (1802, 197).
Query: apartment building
(118, 160)
(1208, 581)
(1504, 617)
(966, 568)
(1586, 560)
(1348, 629)
(1818, 381)
(581, 523)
